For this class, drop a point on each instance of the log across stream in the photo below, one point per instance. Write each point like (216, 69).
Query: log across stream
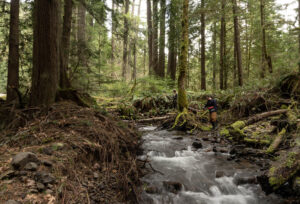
(182, 174)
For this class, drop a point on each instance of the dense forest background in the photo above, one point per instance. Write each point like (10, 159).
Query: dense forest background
(114, 49)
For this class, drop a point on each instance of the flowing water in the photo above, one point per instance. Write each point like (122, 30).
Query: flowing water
(173, 159)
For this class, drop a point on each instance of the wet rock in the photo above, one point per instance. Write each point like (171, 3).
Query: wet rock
(31, 166)
(178, 138)
(239, 180)
(12, 202)
(152, 190)
(41, 187)
(23, 158)
(7, 175)
(220, 174)
(44, 177)
(223, 150)
(197, 145)
(173, 187)
(233, 151)
(214, 149)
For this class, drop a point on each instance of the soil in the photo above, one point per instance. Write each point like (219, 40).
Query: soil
(91, 157)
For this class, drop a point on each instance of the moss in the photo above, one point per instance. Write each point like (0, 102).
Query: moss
(276, 181)
(205, 128)
(224, 132)
(283, 107)
(290, 159)
(256, 141)
(272, 170)
(238, 125)
(276, 142)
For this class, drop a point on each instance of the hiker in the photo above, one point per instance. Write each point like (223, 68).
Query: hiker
(211, 105)
(174, 99)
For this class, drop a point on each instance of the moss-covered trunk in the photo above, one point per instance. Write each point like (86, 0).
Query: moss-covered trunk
(183, 63)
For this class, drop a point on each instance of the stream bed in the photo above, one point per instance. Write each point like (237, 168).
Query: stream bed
(182, 174)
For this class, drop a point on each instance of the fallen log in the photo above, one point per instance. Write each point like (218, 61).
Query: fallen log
(259, 117)
(153, 120)
(275, 144)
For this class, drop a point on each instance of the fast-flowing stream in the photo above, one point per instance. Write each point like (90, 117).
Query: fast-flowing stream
(174, 161)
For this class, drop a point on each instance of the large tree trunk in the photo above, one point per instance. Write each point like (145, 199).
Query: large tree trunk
(81, 27)
(155, 37)
(112, 56)
(265, 58)
(172, 41)
(65, 45)
(183, 60)
(125, 41)
(222, 45)
(203, 74)
(13, 57)
(45, 53)
(150, 36)
(237, 43)
(214, 50)
(299, 33)
(162, 61)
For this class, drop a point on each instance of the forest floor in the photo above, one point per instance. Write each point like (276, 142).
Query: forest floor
(70, 155)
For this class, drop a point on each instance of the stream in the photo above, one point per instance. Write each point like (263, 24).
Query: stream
(181, 174)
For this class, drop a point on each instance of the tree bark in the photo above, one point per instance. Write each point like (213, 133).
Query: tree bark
(150, 36)
(203, 71)
(155, 37)
(183, 63)
(13, 56)
(125, 41)
(214, 50)
(299, 33)
(81, 27)
(237, 43)
(162, 39)
(65, 45)
(112, 56)
(172, 41)
(222, 45)
(45, 53)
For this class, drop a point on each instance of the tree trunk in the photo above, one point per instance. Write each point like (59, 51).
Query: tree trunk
(81, 25)
(237, 43)
(112, 56)
(45, 53)
(125, 41)
(13, 56)
(172, 41)
(155, 37)
(203, 74)
(222, 45)
(265, 58)
(299, 33)
(65, 45)
(150, 36)
(161, 66)
(183, 63)
(214, 50)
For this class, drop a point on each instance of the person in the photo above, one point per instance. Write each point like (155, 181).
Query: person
(174, 99)
(212, 107)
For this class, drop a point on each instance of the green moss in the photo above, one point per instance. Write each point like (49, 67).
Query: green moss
(224, 132)
(205, 128)
(272, 170)
(283, 107)
(276, 181)
(290, 159)
(238, 125)
(256, 141)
